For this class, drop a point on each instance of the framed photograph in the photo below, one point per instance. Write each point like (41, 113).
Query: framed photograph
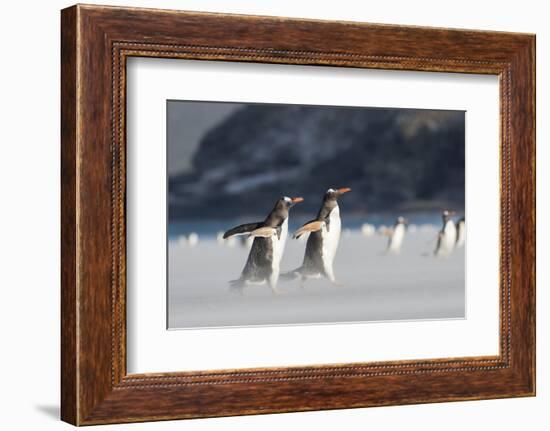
(264, 215)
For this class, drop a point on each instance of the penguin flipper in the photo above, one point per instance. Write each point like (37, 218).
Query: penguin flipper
(242, 229)
(264, 232)
(310, 226)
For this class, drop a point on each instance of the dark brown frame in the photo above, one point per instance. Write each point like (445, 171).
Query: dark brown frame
(95, 43)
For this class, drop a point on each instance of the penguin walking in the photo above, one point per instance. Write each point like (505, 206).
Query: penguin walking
(324, 236)
(446, 239)
(264, 258)
(397, 235)
(460, 232)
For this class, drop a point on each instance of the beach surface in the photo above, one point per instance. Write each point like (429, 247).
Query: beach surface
(374, 286)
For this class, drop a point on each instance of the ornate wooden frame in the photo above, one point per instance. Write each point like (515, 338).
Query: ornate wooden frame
(95, 43)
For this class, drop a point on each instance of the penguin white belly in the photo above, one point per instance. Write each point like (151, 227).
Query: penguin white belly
(448, 239)
(278, 245)
(396, 239)
(331, 238)
(461, 234)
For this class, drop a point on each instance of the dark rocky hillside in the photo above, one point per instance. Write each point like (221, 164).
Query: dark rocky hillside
(393, 159)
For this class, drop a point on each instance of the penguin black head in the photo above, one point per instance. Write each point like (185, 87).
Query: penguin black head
(280, 211)
(330, 201)
(446, 215)
(286, 202)
(334, 194)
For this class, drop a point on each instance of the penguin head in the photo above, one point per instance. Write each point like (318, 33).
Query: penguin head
(446, 215)
(334, 194)
(280, 211)
(287, 203)
(402, 220)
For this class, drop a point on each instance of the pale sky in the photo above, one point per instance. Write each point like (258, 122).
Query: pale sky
(187, 123)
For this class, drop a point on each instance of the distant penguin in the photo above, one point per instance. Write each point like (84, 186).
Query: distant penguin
(193, 239)
(324, 236)
(461, 232)
(446, 239)
(248, 241)
(267, 248)
(367, 229)
(230, 242)
(383, 230)
(397, 235)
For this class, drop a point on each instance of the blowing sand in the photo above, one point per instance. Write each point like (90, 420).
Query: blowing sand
(374, 286)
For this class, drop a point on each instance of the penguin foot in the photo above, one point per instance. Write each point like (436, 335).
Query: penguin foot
(337, 283)
(237, 290)
(276, 291)
(237, 286)
(289, 276)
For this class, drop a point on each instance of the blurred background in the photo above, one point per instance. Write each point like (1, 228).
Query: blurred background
(231, 161)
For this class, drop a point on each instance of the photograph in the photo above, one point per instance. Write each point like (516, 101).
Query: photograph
(288, 214)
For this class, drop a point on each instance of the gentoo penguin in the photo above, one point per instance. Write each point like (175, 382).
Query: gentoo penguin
(193, 239)
(397, 235)
(324, 235)
(446, 238)
(266, 251)
(460, 232)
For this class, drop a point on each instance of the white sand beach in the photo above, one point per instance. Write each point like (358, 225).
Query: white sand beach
(375, 286)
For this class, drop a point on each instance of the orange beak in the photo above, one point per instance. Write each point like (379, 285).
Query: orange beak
(344, 190)
(296, 200)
